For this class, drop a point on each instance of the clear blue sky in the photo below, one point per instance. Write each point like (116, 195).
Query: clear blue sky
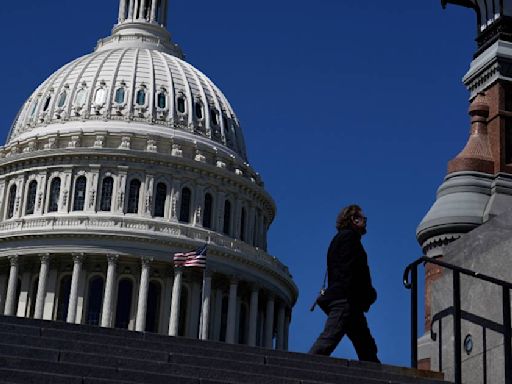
(340, 102)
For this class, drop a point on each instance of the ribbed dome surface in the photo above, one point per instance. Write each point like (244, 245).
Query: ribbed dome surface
(132, 84)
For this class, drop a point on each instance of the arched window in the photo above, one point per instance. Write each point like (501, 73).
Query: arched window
(199, 110)
(119, 96)
(79, 198)
(133, 196)
(11, 202)
(62, 99)
(124, 303)
(162, 99)
(31, 198)
(161, 196)
(80, 98)
(101, 96)
(106, 194)
(208, 211)
(153, 308)
(95, 297)
(186, 197)
(227, 217)
(243, 219)
(47, 103)
(141, 97)
(181, 104)
(64, 291)
(182, 323)
(53, 204)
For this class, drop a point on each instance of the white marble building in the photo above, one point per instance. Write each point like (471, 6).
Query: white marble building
(116, 161)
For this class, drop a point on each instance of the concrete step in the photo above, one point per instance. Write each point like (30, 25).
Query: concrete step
(28, 345)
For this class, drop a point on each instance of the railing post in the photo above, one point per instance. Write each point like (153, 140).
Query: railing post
(414, 316)
(506, 335)
(457, 328)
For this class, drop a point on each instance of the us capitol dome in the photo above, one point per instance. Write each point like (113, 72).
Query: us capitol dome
(115, 162)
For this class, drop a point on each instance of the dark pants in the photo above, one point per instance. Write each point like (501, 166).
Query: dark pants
(341, 321)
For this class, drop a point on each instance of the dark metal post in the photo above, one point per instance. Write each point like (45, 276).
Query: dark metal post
(457, 328)
(414, 316)
(506, 335)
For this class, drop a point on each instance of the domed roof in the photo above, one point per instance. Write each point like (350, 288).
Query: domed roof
(135, 75)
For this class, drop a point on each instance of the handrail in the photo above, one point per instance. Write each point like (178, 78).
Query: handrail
(410, 281)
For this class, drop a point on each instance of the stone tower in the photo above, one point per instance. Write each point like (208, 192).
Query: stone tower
(478, 185)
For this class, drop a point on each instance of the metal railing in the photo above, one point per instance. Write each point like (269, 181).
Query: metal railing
(410, 280)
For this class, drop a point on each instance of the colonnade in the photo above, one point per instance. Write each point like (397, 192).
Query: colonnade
(265, 321)
(154, 11)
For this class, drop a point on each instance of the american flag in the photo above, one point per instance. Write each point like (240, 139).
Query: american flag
(196, 258)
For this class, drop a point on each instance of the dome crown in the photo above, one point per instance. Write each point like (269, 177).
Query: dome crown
(137, 75)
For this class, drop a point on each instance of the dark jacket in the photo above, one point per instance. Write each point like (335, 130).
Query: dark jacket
(348, 273)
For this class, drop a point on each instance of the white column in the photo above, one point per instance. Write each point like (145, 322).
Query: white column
(195, 308)
(154, 4)
(3, 292)
(205, 310)
(41, 286)
(165, 313)
(142, 14)
(10, 299)
(23, 296)
(92, 189)
(175, 196)
(106, 313)
(81, 296)
(130, 10)
(231, 323)
(78, 260)
(51, 291)
(142, 306)
(269, 322)
(122, 11)
(175, 305)
(217, 320)
(253, 316)
(280, 326)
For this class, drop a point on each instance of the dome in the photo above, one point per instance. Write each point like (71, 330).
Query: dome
(119, 160)
(159, 91)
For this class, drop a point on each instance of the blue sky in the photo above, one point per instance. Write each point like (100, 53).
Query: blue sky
(340, 102)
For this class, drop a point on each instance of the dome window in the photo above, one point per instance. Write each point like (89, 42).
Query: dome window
(162, 99)
(120, 95)
(53, 205)
(62, 99)
(141, 97)
(80, 98)
(31, 198)
(227, 218)
(101, 96)
(106, 194)
(12, 201)
(199, 111)
(133, 196)
(47, 103)
(34, 108)
(79, 198)
(186, 197)
(208, 211)
(161, 196)
(215, 117)
(181, 104)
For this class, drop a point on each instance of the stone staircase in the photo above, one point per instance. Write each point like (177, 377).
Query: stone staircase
(38, 351)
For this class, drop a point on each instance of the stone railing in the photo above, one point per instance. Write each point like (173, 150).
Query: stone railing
(142, 226)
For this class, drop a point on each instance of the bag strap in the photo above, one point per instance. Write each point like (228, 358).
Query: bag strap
(322, 290)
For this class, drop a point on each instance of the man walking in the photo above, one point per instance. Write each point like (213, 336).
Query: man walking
(349, 293)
